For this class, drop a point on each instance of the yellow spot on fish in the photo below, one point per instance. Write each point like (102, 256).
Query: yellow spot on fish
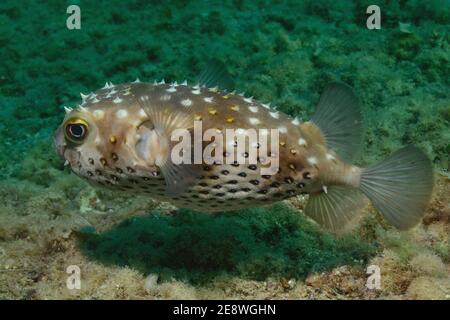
(293, 151)
(103, 161)
(212, 111)
(198, 117)
(114, 156)
(234, 108)
(113, 139)
(230, 119)
(291, 166)
(282, 143)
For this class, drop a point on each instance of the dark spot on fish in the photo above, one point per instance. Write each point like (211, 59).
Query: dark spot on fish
(217, 186)
(130, 170)
(245, 154)
(114, 156)
(103, 161)
(275, 185)
(225, 172)
(214, 177)
(146, 178)
(306, 175)
(232, 182)
(232, 190)
(91, 161)
(265, 176)
(90, 174)
(262, 191)
(301, 185)
(254, 182)
(246, 189)
(203, 184)
(242, 174)
(204, 192)
(252, 167)
(119, 170)
(291, 192)
(235, 164)
(98, 172)
(115, 178)
(206, 168)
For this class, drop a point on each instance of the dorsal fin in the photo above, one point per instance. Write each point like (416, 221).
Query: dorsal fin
(338, 115)
(215, 74)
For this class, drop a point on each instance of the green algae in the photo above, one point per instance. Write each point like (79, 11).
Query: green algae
(257, 243)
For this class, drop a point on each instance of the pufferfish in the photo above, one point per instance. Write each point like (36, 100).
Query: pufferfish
(120, 138)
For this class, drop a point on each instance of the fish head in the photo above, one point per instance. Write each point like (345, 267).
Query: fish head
(106, 138)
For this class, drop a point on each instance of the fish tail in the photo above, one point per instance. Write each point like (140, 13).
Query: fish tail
(400, 186)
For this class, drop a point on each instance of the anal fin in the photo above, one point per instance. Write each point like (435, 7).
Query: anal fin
(336, 208)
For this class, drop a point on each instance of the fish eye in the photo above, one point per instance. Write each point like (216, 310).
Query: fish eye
(76, 130)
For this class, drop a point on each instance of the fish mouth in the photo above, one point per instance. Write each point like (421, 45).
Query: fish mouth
(59, 143)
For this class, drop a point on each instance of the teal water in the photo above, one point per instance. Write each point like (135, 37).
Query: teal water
(284, 52)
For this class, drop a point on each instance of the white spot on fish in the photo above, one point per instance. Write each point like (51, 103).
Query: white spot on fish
(325, 189)
(266, 105)
(196, 91)
(253, 109)
(98, 114)
(254, 121)
(282, 129)
(312, 161)
(186, 103)
(330, 156)
(296, 121)
(117, 100)
(172, 89)
(248, 100)
(302, 142)
(122, 113)
(208, 99)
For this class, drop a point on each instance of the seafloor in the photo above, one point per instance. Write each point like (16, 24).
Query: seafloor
(281, 51)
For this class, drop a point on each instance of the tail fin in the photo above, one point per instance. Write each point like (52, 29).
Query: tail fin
(400, 186)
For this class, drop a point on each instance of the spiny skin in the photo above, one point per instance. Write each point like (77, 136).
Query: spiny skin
(121, 151)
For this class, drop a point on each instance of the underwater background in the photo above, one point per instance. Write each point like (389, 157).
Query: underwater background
(280, 51)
